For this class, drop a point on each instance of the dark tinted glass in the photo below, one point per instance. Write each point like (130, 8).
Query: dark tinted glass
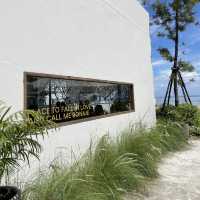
(64, 100)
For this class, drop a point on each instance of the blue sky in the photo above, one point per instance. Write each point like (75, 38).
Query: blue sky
(192, 49)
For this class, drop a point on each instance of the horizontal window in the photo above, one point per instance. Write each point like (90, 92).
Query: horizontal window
(64, 99)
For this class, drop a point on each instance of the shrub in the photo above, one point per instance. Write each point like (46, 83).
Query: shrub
(112, 168)
(184, 113)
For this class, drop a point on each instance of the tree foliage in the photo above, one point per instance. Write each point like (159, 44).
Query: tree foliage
(18, 137)
(173, 17)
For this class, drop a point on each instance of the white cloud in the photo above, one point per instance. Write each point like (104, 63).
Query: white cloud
(162, 77)
(162, 80)
(154, 29)
(159, 62)
(196, 64)
(187, 76)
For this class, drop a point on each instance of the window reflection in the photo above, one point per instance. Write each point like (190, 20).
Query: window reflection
(69, 99)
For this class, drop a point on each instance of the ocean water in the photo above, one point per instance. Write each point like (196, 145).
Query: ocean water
(195, 100)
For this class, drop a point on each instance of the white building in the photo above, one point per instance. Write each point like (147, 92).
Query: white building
(91, 39)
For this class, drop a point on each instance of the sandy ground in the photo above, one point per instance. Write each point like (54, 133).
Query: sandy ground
(179, 177)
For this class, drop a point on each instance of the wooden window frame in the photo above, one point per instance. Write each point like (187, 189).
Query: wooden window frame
(63, 77)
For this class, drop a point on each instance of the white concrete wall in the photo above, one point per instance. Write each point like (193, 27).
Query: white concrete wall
(101, 39)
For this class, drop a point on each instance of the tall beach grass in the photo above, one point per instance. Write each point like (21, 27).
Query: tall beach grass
(110, 169)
